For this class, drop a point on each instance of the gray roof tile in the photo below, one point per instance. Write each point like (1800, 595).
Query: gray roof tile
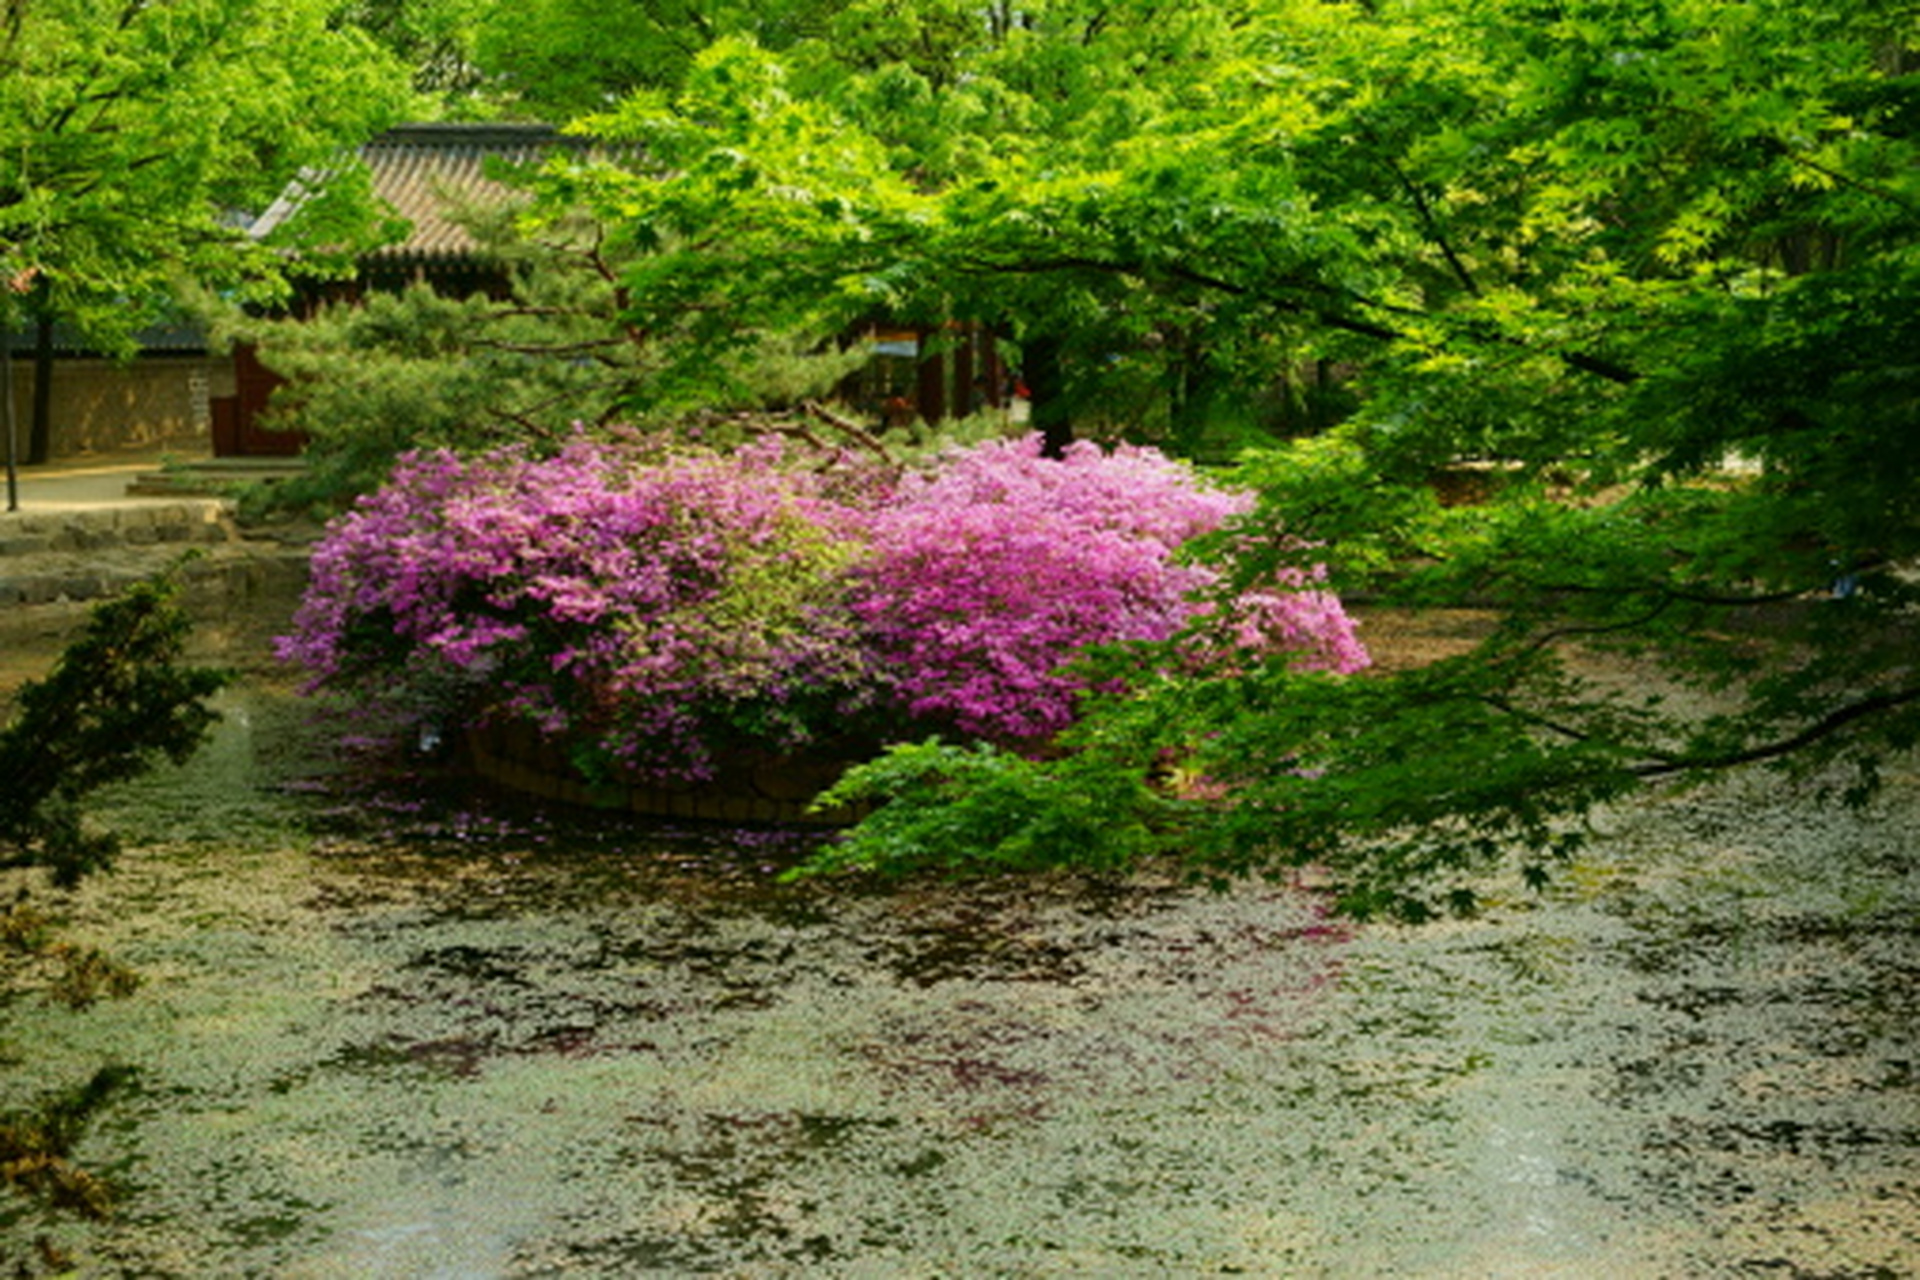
(427, 174)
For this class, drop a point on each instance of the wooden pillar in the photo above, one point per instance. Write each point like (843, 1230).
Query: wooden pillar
(965, 402)
(932, 389)
(994, 370)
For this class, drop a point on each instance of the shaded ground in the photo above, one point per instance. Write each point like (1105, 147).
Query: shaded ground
(413, 1031)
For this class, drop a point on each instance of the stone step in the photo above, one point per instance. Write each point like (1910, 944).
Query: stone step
(213, 476)
(77, 530)
(223, 569)
(55, 554)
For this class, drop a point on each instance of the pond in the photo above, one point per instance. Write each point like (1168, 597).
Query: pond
(406, 1029)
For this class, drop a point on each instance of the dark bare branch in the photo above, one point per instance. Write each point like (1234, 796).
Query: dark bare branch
(1825, 727)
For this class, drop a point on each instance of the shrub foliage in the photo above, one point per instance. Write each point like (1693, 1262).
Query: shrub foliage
(664, 607)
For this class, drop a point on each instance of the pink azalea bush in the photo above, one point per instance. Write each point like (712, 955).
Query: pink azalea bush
(671, 607)
(992, 570)
(655, 606)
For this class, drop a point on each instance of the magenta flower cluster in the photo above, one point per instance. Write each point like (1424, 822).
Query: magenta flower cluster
(671, 606)
(992, 570)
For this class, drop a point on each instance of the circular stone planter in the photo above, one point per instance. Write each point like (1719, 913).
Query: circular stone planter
(766, 789)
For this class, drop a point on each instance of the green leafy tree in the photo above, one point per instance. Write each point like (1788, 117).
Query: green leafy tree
(438, 40)
(134, 137)
(1650, 268)
(557, 59)
(881, 169)
(727, 213)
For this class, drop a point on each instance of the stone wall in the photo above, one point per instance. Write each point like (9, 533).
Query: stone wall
(149, 405)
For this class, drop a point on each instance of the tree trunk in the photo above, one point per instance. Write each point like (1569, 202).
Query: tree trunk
(40, 435)
(1046, 394)
(6, 404)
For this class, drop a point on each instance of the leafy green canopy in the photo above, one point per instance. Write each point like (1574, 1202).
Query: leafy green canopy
(735, 208)
(134, 136)
(845, 178)
(561, 58)
(1649, 268)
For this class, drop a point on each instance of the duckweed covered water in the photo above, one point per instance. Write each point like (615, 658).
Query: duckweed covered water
(409, 1032)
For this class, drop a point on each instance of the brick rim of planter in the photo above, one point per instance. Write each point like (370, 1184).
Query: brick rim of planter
(777, 792)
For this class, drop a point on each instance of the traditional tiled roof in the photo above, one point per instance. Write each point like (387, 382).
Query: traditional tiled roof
(428, 174)
(176, 337)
